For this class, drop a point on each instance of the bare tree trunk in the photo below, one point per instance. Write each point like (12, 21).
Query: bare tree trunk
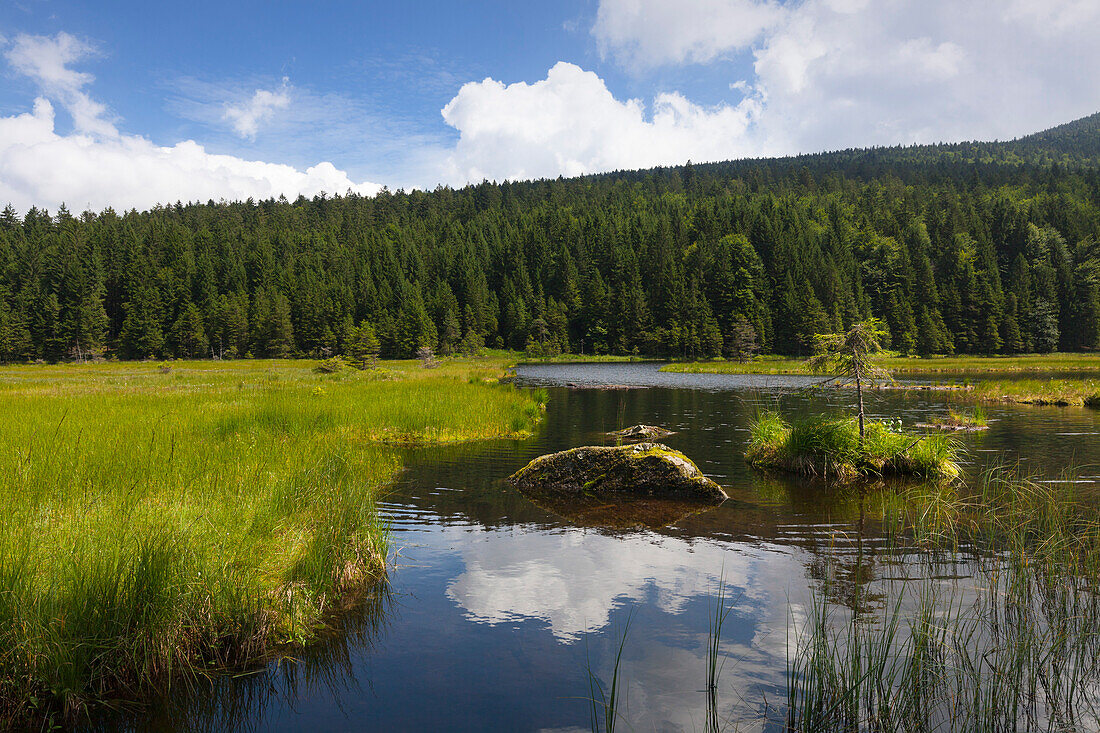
(859, 394)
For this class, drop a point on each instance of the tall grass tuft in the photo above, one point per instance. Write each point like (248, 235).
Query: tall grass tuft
(831, 448)
(715, 660)
(604, 704)
(974, 417)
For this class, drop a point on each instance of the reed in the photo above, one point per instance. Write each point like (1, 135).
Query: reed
(989, 619)
(1009, 646)
(715, 659)
(165, 524)
(604, 704)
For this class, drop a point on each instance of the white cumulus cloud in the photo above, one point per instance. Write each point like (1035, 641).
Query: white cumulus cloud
(826, 74)
(95, 165)
(261, 107)
(46, 61)
(649, 33)
(574, 581)
(571, 124)
(840, 75)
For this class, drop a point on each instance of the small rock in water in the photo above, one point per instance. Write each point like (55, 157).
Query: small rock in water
(642, 469)
(637, 432)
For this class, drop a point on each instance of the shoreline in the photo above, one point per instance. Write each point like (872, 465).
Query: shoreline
(215, 519)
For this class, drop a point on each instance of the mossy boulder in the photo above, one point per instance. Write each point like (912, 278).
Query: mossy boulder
(629, 471)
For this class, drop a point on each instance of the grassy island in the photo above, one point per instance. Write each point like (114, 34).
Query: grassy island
(830, 448)
(1075, 391)
(165, 521)
(966, 420)
(964, 365)
(842, 449)
(1081, 387)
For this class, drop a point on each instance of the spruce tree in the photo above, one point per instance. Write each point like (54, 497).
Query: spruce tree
(189, 335)
(848, 356)
(1044, 326)
(1012, 338)
(363, 346)
(742, 344)
(142, 336)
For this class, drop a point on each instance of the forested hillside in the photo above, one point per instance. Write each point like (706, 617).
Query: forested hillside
(968, 248)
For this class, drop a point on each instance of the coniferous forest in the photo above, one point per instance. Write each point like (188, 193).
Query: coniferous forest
(975, 248)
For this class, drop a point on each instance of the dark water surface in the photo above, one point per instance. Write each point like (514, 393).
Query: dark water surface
(496, 604)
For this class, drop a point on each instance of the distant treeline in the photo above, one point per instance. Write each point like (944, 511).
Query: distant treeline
(975, 248)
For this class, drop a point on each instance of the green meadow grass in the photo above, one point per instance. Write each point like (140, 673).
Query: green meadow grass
(1040, 391)
(581, 359)
(829, 447)
(1076, 390)
(167, 521)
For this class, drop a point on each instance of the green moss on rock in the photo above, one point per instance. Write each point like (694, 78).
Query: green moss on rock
(643, 469)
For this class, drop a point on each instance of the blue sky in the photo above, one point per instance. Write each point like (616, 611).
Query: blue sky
(160, 64)
(168, 69)
(140, 102)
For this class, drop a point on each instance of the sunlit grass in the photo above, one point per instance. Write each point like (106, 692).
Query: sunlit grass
(1076, 390)
(908, 365)
(1040, 391)
(974, 417)
(830, 447)
(163, 521)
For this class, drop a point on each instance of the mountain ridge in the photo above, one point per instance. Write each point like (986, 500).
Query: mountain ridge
(1074, 144)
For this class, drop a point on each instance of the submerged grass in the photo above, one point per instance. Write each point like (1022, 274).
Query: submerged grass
(831, 448)
(1011, 645)
(166, 523)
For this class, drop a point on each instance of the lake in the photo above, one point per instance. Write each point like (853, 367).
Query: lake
(497, 607)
